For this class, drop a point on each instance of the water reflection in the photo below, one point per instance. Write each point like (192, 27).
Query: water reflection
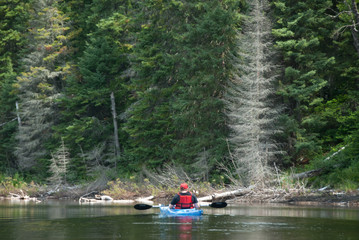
(183, 227)
(71, 221)
(60, 210)
(279, 210)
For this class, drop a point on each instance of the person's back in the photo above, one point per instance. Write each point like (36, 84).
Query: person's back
(184, 199)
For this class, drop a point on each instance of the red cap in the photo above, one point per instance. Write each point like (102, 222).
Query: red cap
(184, 186)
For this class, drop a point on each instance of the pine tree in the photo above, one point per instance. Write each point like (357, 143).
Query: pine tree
(39, 85)
(302, 33)
(250, 98)
(205, 42)
(14, 16)
(148, 122)
(96, 88)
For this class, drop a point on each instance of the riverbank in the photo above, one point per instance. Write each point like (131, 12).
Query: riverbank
(301, 197)
(121, 192)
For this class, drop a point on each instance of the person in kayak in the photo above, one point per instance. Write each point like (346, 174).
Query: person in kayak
(184, 199)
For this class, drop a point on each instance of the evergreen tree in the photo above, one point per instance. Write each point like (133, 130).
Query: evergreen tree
(78, 11)
(202, 66)
(148, 121)
(302, 32)
(13, 15)
(38, 86)
(87, 123)
(253, 117)
(340, 111)
(180, 60)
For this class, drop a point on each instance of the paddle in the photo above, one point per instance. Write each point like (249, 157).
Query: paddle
(218, 205)
(142, 206)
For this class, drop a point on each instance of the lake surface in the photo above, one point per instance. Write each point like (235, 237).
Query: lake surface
(70, 220)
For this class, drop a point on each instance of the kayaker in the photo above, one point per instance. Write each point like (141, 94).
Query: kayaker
(184, 199)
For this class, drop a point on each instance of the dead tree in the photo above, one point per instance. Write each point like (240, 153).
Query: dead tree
(249, 99)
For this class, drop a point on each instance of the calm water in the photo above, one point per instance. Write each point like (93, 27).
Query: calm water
(69, 220)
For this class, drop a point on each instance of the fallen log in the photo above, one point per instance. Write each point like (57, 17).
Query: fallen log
(225, 195)
(146, 200)
(103, 197)
(21, 196)
(123, 201)
(107, 199)
(307, 174)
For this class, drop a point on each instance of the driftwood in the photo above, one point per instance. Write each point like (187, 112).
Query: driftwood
(94, 197)
(87, 198)
(146, 200)
(225, 195)
(103, 197)
(22, 196)
(18, 196)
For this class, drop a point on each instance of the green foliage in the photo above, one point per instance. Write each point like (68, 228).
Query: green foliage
(302, 34)
(167, 63)
(149, 124)
(345, 177)
(9, 121)
(198, 111)
(16, 184)
(38, 86)
(14, 15)
(180, 60)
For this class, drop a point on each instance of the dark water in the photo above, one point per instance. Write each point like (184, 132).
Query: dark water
(69, 220)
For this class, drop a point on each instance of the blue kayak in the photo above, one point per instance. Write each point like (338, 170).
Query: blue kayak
(166, 211)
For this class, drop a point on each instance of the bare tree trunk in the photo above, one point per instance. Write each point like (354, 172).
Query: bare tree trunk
(355, 38)
(115, 128)
(353, 28)
(355, 11)
(17, 113)
(249, 98)
(226, 195)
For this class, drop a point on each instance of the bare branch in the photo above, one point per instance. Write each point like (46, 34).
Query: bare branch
(249, 94)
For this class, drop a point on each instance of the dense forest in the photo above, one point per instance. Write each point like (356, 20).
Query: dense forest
(227, 90)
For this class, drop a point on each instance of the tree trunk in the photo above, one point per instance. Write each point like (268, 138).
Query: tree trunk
(17, 113)
(225, 195)
(115, 128)
(353, 28)
(355, 12)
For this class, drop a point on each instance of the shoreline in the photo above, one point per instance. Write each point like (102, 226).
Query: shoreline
(296, 197)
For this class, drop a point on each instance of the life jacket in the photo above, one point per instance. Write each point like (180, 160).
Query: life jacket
(185, 201)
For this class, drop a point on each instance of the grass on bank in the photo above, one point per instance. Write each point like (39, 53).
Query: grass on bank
(119, 189)
(15, 184)
(338, 174)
